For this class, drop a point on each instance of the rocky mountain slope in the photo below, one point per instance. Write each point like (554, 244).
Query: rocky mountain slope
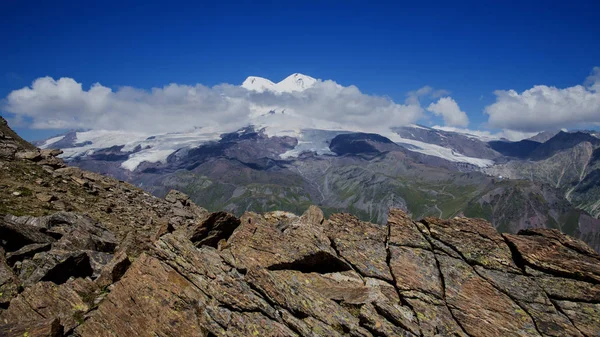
(86, 255)
(568, 161)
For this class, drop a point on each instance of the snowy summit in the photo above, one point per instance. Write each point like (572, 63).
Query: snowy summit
(294, 82)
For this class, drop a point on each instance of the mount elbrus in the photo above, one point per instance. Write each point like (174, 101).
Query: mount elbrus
(84, 254)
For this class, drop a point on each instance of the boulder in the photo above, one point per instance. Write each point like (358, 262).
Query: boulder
(45, 197)
(217, 226)
(46, 300)
(114, 270)
(33, 155)
(48, 153)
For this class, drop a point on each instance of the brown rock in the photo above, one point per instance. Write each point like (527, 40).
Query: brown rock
(298, 299)
(252, 244)
(44, 197)
(28, 155)
(404, 232)
(434, 318)
(56, 266)
(165, 228)
(47, 300)
(585, 316)
(475, 240)
(379, 325)
(565, 240)
(19, 231)
(46, 153)
(79, 181)
(182, 201)
(362, 244)
(480, 308)
(69, 171)
(8, 150)
(565, 288)
(526, 292)
(52, 163)
(416, 269)
(546, 253)
(216, 226)
(40, 328)
(114, 270)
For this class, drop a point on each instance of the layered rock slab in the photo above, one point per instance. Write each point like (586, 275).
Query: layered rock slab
(277, 274)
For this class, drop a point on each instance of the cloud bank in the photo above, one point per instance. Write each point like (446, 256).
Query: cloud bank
(450, 111)
(65, 104)
(547, 108)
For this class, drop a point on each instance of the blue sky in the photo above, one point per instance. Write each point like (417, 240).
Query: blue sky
(470, 48)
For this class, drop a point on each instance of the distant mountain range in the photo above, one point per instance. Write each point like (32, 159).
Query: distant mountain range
(551, 180)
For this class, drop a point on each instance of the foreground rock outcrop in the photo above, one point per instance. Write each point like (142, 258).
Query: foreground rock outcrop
(278, 274)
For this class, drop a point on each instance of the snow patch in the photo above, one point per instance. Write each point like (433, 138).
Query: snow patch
(415, 126)
(51, 141)
(102, 139)
(313, 140)
(153, 149)
(437, 151)
(483, 136)
(151, 156)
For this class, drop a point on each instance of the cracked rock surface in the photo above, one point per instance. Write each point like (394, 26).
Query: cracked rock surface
(278, 274)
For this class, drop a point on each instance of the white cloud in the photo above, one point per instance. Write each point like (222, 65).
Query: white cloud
(64, 103)
(413, 97)
(547, 108)
(450, 111)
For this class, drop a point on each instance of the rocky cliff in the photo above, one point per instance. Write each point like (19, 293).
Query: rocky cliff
(86, 255)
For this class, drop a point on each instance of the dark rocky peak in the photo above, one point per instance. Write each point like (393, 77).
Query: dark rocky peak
(562, 141)
(544, 136)
(521, 149)
(361, 143)
(251, 148)
(242, 134)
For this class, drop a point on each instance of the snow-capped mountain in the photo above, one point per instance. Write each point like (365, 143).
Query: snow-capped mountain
(137, 148)
(312, 134)
(294, 82)
(427, 171)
